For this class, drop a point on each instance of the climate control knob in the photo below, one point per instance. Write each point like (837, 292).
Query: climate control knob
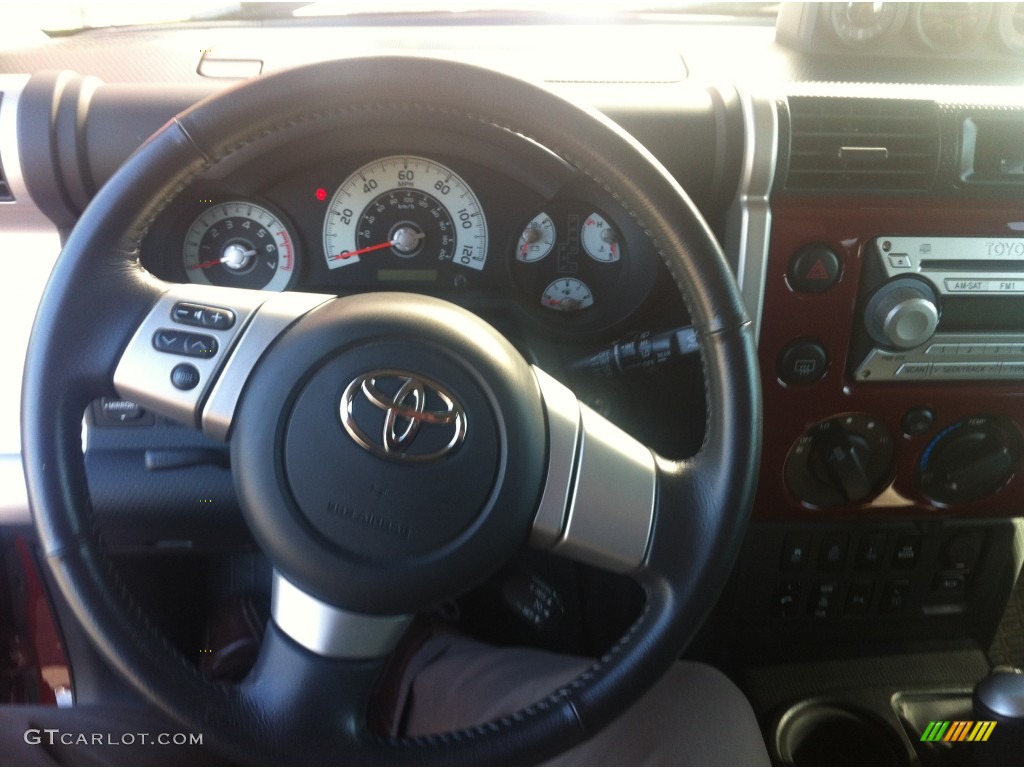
(844, 460)
(902, 314)
(969, 460)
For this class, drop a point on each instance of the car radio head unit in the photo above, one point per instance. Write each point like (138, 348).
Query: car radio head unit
(941, 309)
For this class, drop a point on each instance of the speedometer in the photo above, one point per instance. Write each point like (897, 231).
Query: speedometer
(408, 207)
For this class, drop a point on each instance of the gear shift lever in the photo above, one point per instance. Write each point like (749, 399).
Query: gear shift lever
(1000, 697)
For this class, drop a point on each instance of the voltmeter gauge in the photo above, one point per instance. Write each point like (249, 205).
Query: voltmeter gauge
(600, 240)
(567, 294)
(537, 240)
(239, 245)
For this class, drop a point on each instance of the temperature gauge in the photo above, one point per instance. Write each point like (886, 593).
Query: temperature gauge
(537, 240)
(600, 240)
(567, 294)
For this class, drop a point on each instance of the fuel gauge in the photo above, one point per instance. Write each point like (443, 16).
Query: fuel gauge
(567, 294)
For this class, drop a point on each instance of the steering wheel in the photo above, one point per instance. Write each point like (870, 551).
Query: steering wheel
(388, 450)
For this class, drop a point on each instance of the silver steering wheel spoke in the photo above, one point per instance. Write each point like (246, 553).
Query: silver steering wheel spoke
(329, 631)
(192, 354)
(599, 498)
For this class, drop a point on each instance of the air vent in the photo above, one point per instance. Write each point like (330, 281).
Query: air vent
(5, 189)
(862, 145)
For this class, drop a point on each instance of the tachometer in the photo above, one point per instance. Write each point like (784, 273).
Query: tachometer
(240, 245)
(407, 207)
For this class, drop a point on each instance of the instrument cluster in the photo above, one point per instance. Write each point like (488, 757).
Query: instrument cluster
(412, 221)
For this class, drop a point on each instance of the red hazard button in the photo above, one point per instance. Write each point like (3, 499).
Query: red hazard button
(813, 269)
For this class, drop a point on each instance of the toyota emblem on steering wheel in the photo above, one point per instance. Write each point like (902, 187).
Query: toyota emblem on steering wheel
(416, 420)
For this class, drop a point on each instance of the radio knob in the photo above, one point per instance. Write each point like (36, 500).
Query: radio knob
(902, 314)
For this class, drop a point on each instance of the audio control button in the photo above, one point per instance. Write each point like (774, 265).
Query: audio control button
(965, 370)
(1012, 370)
(976, 350)
(943, 350)
(914, 370)
(902, 313)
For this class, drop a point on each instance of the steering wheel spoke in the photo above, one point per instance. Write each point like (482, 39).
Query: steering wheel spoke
(600, 493)
(192, 354)
(330, 631)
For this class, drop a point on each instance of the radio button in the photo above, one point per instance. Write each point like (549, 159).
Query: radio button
(943, 350)
(1012, 370)
(914, 370)
(966, 370)
(967, 285)
(976, 350)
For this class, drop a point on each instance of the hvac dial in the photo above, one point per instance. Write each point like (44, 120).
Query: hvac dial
(240, 245)
(407, 207)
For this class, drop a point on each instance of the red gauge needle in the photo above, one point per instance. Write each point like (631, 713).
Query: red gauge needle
(235, 257)
(206, 264)
(404, 241)
(367, 249)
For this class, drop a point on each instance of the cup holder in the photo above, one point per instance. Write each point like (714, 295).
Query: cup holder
(824, 733)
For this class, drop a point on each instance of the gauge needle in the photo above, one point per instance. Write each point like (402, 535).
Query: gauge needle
(222, 260)
(401, 240)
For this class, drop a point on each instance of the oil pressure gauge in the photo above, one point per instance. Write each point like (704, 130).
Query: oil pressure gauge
(537, 239)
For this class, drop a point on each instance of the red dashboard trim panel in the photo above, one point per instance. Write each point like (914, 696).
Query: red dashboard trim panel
(847, 225)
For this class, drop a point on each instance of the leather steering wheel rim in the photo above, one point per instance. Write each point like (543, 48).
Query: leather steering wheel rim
(98, 294)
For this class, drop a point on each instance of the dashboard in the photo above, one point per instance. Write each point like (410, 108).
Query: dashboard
(558, 254)
(861, 165)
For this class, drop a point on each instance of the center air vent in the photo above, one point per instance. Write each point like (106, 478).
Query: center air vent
(862, 145)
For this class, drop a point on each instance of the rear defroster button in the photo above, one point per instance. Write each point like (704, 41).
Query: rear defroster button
(803, 361)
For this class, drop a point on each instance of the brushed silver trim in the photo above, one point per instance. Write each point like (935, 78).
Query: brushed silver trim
(750, 219)
(143, 374)
(331, 631)
(563, 420)
(276, 314)
(611, 516)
